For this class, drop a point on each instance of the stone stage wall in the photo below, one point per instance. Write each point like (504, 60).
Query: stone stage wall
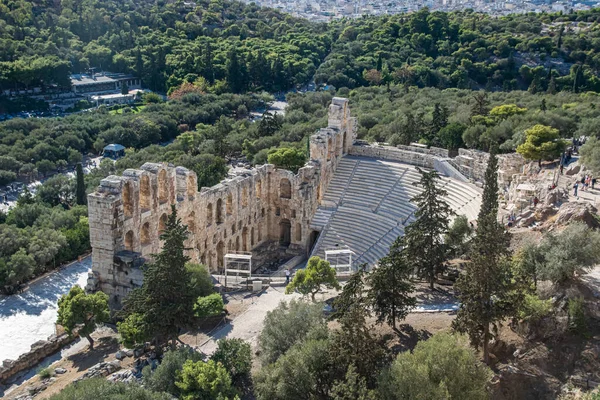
(259, 207)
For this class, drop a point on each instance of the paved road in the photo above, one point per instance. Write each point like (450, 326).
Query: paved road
(30, 316)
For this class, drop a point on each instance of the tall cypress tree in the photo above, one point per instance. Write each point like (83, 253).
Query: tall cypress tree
(165, 301)
(484, 289)
(424, 237)
(80, 197)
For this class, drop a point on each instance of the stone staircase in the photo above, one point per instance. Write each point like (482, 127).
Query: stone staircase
(372, 206)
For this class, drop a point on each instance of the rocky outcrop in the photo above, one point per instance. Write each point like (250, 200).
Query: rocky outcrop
(39, 350)
(101, 370)
(581, 212)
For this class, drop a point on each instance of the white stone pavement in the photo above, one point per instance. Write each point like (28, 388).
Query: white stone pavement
(30, 316)
(248, 325)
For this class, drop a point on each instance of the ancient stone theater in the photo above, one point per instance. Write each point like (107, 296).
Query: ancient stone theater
(349, 194)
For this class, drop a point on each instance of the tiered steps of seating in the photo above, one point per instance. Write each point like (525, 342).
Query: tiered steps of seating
(373, 206)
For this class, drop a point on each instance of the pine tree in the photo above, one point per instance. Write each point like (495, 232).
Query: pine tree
(551, 86)
(439, 119)
(80, 196)
(424, 237)
(165, 299)
(353, 295)
(485, 287)
(390, 288)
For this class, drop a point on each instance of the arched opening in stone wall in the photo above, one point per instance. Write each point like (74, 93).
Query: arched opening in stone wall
(229, 209)
(191, 223)
(162, 223)
(314, 236)
(245, 239)
(345, 142)
(163, 189)
(244, 197)
(145, 193)
(285, 229)
(259, 234)
(233, 228)
(203, 259)
(128, 200)
(191, 187)
(258, 188)
(145, 234)
(230, 246)
(129, 241)
(219, 211)
(251, 238)
(298, 233)
(209, 214)
(220, 254)
(329, 149)
(318, 192)
(237, 243)
(285, 189)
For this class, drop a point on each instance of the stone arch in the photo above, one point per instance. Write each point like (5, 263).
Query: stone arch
(145, 234)
(259, 234)
(128, 200)
(220, 254)
(285, 230)
(251, 238)
(163, 189)
(145, 193)
(298, 233)
(329, 149)
(318, 192)
(345, 142)
(230, 246)
(219, 211)
(129, 241)
(237, 243)
(209, 214)
(285, 189)
(245, 239)
(162, 223)
(229, 205)
(191, 222)
(244, 197)
(191, 187)
(258, 188)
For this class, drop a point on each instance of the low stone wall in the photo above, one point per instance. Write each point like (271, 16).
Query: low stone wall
(39, 350)
(395, 154)
(434, 151)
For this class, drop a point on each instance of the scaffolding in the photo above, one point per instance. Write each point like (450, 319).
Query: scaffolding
(340, 258)
(238, 268)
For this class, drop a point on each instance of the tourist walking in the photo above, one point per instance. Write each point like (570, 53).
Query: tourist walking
(287, 276)
(561, 168)
(575, 186)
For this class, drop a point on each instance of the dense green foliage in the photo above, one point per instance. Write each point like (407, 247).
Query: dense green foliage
(208, 306)
(163, 378)
(204, 380)
(83, 311)
(101, 389)
(442, 367)
(466, 50)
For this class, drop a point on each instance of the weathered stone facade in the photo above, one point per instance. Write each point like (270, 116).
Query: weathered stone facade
(472, 164)
(259, 207)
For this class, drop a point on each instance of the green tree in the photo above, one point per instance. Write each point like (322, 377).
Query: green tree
(163, 378)
(287, 324)
(165, 298)
(133, 330)
(541, 143)
(287, 158)
(209, 306)
(19, 267)
(200, 279)
(424, 237)
(458, 235)
(236, 356)
(269, 124)
(441, 367)
(590, 154)
(353, 294)
(352, 387)
(204, 381)
(485, 287)
(310, 279)
(78, 308)
(390, 288)
(80, 197)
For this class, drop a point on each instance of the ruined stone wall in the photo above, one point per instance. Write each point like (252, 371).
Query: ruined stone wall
(472, 164)
(419, 158)
(262, 205)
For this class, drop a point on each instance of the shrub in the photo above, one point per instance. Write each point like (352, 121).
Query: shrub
(101, 389)
(533, 308)
(577, 320)
(45, 373)
(204, 380)
(236, 357)
(209, 306)
(163, 378)
(200, 279)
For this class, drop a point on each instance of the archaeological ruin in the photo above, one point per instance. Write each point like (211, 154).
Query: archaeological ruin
(349, 194)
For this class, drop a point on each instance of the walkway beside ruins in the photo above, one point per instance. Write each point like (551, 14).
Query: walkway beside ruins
(367, 206)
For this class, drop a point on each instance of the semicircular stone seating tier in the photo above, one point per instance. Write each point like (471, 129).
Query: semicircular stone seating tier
(367, 206)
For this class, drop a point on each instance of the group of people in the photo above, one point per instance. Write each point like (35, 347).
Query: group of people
(586, 182)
